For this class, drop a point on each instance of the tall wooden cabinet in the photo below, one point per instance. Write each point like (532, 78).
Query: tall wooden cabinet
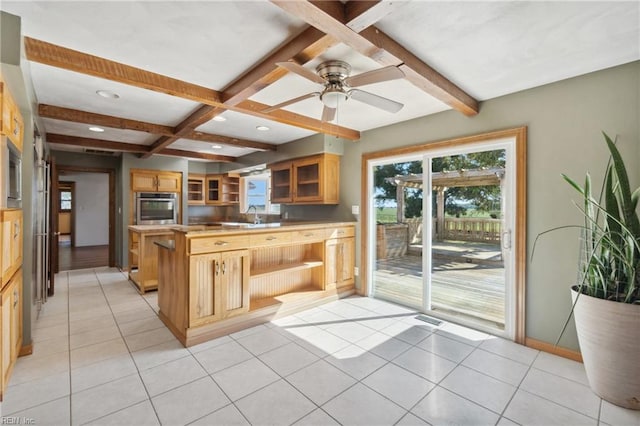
(11, 237)
(307, 180)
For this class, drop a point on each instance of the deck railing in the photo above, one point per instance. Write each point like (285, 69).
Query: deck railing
(472, 229)
(458, 229)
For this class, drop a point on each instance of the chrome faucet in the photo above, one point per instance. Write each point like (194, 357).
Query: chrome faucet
(256, 219)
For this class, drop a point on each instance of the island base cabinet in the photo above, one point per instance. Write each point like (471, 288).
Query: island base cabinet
(339, 262)
(219, 284)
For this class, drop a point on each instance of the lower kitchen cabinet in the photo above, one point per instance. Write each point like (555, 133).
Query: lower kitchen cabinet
(340, 258)
(219, 284)
(11, 325)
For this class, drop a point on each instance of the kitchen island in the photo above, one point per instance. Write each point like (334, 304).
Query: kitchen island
(217, 280)
(143, 254)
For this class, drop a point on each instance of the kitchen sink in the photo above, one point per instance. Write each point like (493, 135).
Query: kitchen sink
(250, 225)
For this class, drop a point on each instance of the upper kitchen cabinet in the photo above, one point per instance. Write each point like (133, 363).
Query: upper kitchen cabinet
(307, 180)
(155, 181)
(11, 237)
(12, 124)
(195, 189)
(222, 190)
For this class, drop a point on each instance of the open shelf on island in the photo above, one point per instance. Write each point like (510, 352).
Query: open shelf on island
(307, 264)
(304, 294)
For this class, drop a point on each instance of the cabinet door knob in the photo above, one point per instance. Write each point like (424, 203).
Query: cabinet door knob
(223, 268)
(221, 243)
(217, 268)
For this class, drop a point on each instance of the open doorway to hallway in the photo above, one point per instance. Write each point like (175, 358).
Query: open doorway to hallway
(82, 219)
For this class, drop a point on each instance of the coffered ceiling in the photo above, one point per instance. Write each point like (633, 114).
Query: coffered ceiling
(177, 65)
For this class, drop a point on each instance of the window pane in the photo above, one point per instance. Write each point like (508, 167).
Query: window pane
(65, 205)
(65, 195)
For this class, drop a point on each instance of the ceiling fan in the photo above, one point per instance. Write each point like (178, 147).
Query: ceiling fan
(339, 86)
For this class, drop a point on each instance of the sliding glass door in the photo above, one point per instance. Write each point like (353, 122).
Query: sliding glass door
(443, 226)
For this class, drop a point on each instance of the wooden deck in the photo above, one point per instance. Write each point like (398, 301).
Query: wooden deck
(467, 281)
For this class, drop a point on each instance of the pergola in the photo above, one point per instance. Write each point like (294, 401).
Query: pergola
(443, 180)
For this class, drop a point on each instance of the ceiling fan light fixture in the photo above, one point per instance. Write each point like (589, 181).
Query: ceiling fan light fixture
(107, 94)
(333, 97)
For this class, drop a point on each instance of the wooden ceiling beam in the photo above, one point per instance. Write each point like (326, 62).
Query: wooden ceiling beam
(378, 46)
(422, 75)
(95, 143)
(77, 116)
(72, 60)
(130, 147)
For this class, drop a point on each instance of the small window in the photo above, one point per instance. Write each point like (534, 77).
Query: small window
(65, 200)
(256, 191)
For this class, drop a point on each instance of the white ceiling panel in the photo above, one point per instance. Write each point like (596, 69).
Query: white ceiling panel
(208, 43)
(491, 49)
(244, 127)
(207, 148)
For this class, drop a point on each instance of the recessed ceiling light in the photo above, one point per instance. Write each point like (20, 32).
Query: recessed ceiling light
(262, 128)
(216, 146)
(107, 94)
(96, 129)
(219, 118)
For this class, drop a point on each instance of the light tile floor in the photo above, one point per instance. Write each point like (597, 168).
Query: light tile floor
(101, 356)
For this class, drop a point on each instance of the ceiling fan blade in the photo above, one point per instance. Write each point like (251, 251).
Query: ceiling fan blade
(375, 100)
(376, 76)
(291, 101)
(301, 71)
(328, 114)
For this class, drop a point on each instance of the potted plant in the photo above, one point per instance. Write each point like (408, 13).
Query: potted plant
(606, 298)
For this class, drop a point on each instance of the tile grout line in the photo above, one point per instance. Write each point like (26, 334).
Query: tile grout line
(130, 355)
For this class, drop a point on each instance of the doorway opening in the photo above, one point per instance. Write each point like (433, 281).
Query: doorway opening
(82, 217)
(444, 223)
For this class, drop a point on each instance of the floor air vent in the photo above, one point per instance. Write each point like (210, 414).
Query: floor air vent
(429, 319)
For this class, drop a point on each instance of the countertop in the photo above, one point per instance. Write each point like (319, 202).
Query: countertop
(151, 228)
(235, 227)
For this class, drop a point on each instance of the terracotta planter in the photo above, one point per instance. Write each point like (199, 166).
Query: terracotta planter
(609, 336)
